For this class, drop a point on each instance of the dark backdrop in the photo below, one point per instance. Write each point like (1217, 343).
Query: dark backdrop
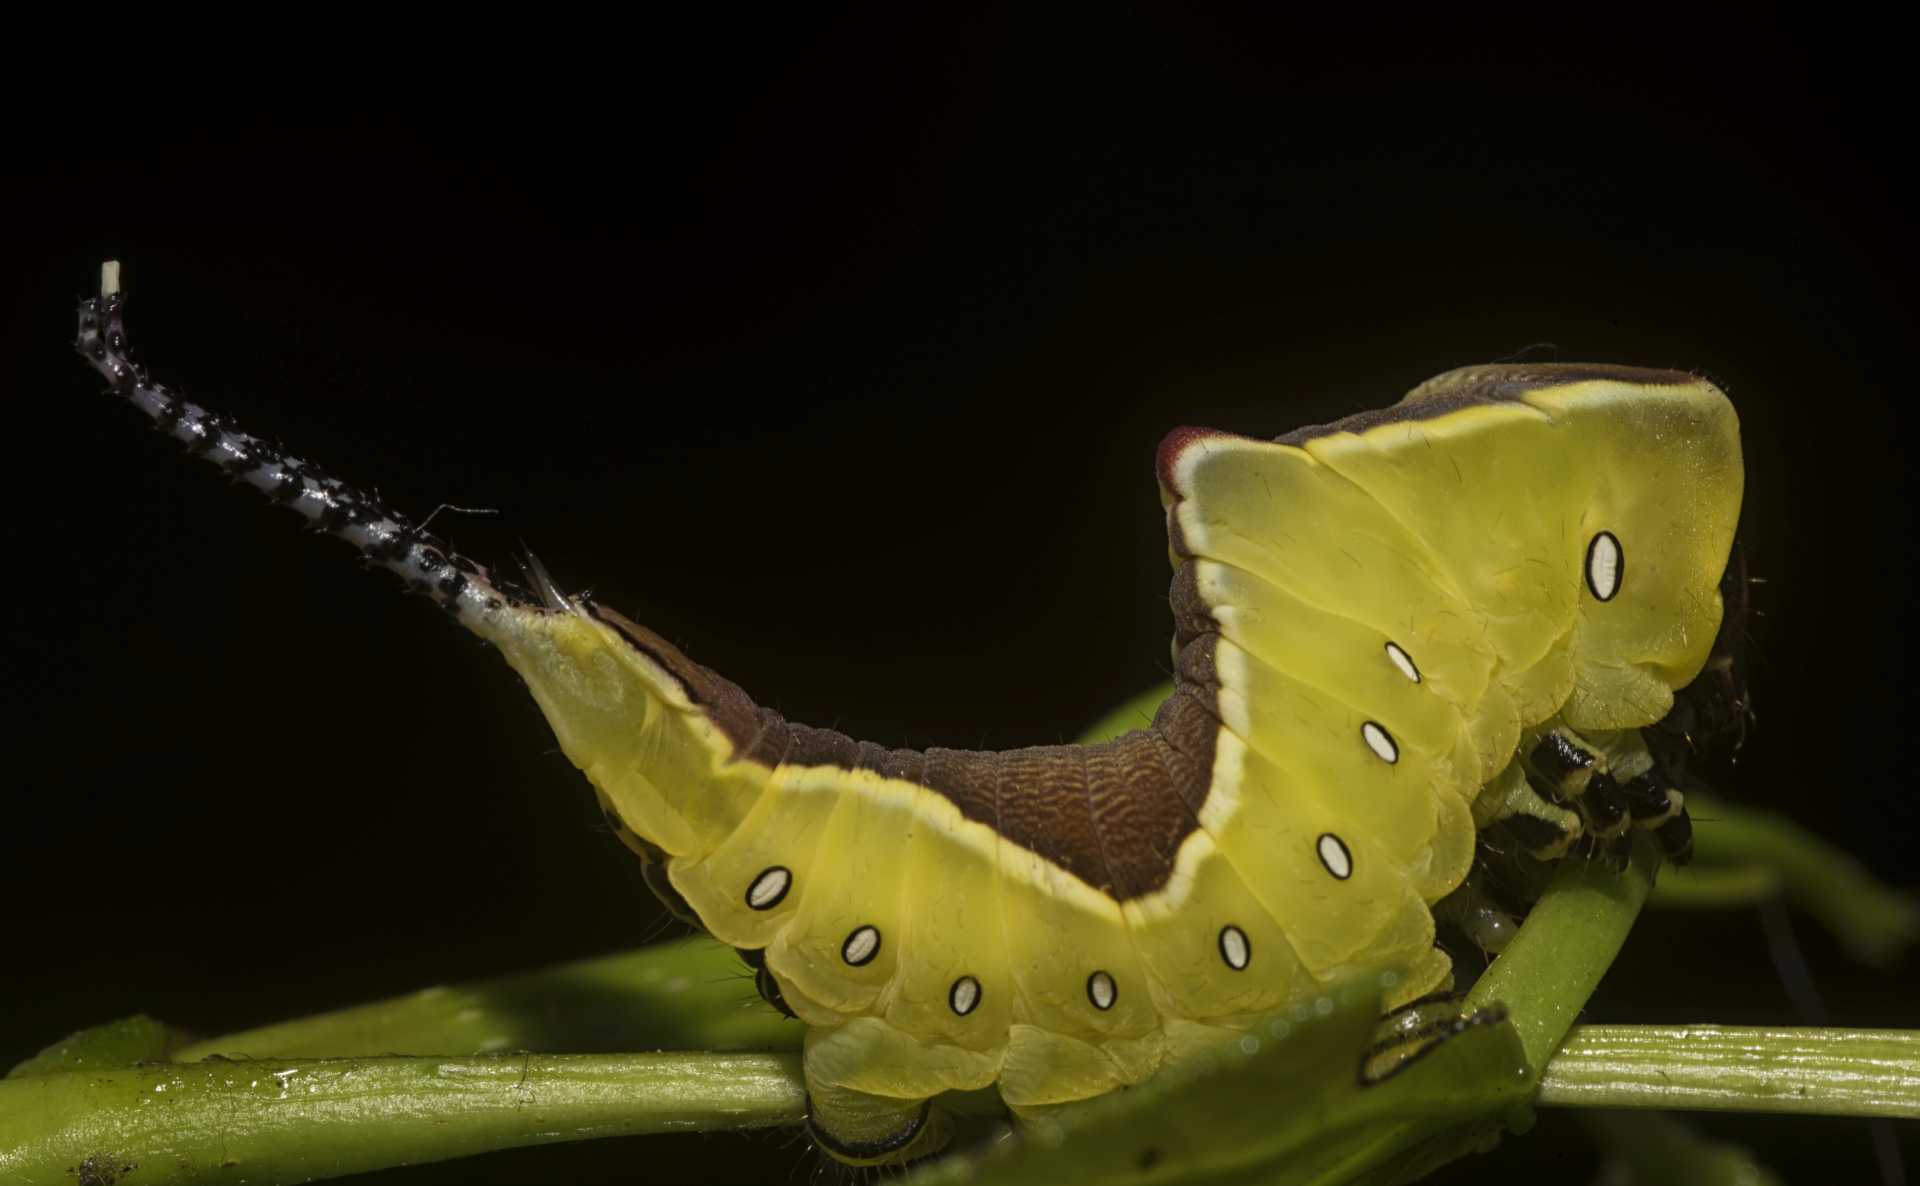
(837, 347)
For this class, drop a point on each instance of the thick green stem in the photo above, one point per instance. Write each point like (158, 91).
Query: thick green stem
(275, 1116)
(1569, 940)
(690, 994)
(1735, 1068)
(292, 1120)
(285, 1120)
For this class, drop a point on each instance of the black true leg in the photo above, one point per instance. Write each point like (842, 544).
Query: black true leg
(1612, 785)
(1676, 837)
(1525, 820)
(1604, 806)
(1558, 760)
(1656, 805)
(1565, 768)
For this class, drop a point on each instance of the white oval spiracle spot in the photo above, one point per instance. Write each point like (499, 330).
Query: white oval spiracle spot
(1606, 564)
(862, 944)
(1334, 855)
(770, 888)
(1403, 661)
(1102, 991)
(1380, 742)
(1234, 948)
(964, 996)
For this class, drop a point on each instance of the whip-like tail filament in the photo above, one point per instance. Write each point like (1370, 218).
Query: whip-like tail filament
(418, 557)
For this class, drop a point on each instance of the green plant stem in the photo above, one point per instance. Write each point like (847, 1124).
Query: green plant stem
(292, 1120)
(253, 1108)
(1570, 938)
(1710, 887)
(1734, 1068)
(285, 1120)
(689, 994)
(1874, 922)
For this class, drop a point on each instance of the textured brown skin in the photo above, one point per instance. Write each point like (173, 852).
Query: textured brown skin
(1112, 814)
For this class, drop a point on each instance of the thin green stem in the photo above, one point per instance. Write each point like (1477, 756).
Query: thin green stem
(1710, 887)
(1824, 1072)
(1874, 922)
(292, 1120)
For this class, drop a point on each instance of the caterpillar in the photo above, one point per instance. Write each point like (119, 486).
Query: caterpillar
(1466, 611)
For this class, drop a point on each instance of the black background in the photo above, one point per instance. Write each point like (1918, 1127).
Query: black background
(836, 346)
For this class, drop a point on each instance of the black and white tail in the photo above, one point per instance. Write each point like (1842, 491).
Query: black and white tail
(422, 560)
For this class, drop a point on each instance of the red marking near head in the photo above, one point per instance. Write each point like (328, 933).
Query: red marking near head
(1174, 444)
